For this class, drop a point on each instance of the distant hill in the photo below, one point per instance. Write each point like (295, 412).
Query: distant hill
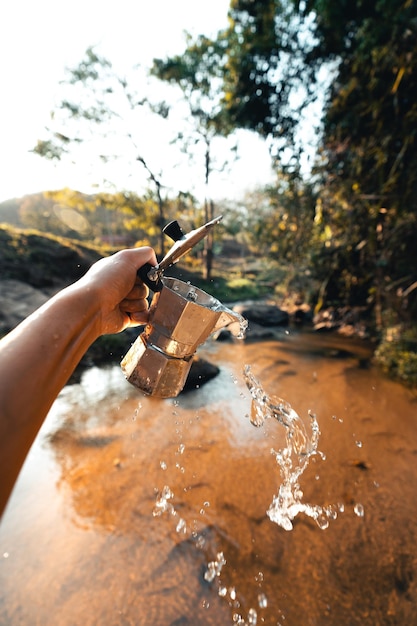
(13, 211)
(22, 211)
(9, 211)
(71, 214)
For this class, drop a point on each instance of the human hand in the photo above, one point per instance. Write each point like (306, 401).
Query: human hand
(121, 295)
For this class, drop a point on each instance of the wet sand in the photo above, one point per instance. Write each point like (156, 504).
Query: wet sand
(80, 544)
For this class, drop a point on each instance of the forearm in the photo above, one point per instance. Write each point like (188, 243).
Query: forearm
(39, 356)
(36, 360)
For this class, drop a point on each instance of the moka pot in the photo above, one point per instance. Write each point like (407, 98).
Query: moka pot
(181, 318)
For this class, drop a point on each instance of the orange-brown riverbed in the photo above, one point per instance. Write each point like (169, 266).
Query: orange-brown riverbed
(80, 545)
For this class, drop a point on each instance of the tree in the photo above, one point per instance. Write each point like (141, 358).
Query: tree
(368, 174)
(99, 110)
(199, 75)
(268, 85)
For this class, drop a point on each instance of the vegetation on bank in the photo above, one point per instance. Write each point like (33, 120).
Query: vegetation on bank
(49, 262)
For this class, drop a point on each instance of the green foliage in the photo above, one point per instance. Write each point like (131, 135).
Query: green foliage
(397, 355)
(289, 220)
(232, 288)
(360, 236)
(199, 73)
(267, 82)
(371, 118)
(366, 215)
(118, 219)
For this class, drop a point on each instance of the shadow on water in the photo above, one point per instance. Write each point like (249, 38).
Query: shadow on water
(84, 541)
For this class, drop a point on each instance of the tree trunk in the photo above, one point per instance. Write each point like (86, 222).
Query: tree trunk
(208, 241)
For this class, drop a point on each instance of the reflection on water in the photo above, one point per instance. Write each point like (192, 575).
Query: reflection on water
(133, 510)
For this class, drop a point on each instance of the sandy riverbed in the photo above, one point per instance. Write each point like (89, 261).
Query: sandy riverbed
(80, 544)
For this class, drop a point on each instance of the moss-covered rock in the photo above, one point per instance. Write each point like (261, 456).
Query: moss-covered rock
(397, 354)
(43, 260)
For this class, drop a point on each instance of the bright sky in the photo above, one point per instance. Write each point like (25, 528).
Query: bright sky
(39, 38)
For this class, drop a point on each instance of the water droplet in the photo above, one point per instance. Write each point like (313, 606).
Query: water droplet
(5, 555)
(359, 509)
(222, 592)
(214, 568)
(262, 601)
(252, 617)
(322, 521)
(358, 444)
(232, 593)
(162, 503)
(181, 526)
(181, 448)
(259, 577)
(163, 465)
(331, 511)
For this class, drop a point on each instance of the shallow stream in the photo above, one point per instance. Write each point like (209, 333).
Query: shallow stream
(133, 510)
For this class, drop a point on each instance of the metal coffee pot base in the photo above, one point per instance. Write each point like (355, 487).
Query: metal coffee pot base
(153, 371)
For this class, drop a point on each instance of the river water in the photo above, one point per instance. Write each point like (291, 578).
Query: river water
(137, 511)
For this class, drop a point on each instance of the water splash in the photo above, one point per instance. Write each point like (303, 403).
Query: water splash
(234, 321)
(292, 459)
(215, 567)
(301, 443)
(163, 504)
(359, 509)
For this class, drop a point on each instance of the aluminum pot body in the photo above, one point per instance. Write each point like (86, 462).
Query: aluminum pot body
(181, 318)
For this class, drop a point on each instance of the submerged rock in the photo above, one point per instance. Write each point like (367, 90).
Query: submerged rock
(18, 300)
(200, 373)
(263, 314)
